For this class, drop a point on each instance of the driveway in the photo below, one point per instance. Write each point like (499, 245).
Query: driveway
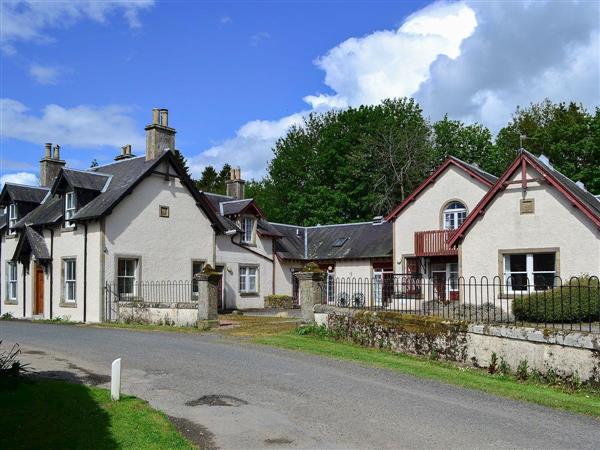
(280, 399)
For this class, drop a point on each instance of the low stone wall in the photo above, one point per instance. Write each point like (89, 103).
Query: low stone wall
(279, 302)
(563, 353)
(173, 314)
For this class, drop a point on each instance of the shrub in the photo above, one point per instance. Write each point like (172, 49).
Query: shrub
(504, 367)
(313, 330)
(523, 370)
(6, 316)
(311, 267)
(279, 301)
(10, 366)
(575, 301)
(493, 367)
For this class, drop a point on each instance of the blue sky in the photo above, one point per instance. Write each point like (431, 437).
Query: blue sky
(235, 75)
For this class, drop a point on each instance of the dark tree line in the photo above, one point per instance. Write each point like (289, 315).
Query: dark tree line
(349, 165)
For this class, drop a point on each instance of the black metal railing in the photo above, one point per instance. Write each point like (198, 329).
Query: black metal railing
(551, 302)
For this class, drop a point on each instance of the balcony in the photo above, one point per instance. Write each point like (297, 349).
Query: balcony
(434, 243)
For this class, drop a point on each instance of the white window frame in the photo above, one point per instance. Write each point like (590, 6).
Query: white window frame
(70, 207)
(245, 277)
(247, 234)
(70, 280)
(12, 280)
(133, 277)
(457, 215)
(528, 270)
(12, 218)
(194, 282)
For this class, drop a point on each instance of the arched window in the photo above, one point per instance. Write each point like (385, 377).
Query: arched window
(454, 215)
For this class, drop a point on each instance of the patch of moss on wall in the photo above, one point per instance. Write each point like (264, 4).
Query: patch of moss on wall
(406, 333)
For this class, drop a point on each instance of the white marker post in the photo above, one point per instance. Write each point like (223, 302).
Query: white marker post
(115, 380)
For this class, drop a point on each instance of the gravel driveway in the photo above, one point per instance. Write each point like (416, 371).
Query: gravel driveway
(246, 396)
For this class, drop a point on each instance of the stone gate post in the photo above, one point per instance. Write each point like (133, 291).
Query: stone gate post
(208, 296)
(309, 293)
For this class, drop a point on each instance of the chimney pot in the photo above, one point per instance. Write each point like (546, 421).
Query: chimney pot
(57, 152)
(164, 117)
(235, 185)
(155, 115)
(48, 150)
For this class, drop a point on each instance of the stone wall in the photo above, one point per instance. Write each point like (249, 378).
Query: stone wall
(560, 352)
(172, 314)
(279, 302)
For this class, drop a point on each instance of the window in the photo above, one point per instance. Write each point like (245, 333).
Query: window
(248, 279)
(12, 217)
(339, 242)
(247, 230)
(522, 271)
(70, 277)
(197, 267)
(11, 285)
(69, 208)
(126, 276)
(164, 211)
(454, 215)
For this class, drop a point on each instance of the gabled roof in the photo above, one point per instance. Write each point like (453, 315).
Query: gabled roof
(31, 242)
(586, 202)
(81, 179)
(358, 240)
(12, 192)
(226, 207)
(472, 170)
(118, 179)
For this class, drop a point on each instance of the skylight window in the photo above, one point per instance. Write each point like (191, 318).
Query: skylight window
(339, 242)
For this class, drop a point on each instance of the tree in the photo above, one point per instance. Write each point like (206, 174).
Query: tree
(182, 159)
(346, 166)
(566, 133)
(213, 181)
(470, 143)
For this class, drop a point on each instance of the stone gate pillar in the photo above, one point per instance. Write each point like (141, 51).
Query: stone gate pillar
(208, 296)
(309, 293)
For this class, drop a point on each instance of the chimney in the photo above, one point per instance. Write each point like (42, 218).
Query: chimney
(125, 153)
(235, 184)
(50, 164)
(159, 137)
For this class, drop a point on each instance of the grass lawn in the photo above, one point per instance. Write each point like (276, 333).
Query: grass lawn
(582, 401)
(60, 415)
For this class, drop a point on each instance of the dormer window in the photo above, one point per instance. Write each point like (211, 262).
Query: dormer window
(455, 214)
(247, 230)
(69, 209)
(12, 218)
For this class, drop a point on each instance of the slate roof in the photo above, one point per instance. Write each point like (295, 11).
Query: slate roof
(122, 177)
(31, 242)
(234, 206)
(360, 240)
(90, 180)
(22, 193)
(587, 198)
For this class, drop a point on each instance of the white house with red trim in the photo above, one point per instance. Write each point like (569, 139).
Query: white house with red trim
(427, 218)
(533, 225)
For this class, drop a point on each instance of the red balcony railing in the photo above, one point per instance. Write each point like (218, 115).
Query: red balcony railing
(434, 243)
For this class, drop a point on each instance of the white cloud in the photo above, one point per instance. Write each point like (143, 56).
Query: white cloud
(475, 61)
(257, 38)
(394, 63)
(20, 178)
(225, 20)
(27, 20)
(521, 52)
(250, 148)
(81, 126)
(44, 74)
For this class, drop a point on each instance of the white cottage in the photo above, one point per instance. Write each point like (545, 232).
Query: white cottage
(137, 219)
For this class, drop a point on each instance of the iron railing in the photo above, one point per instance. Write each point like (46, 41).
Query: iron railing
(551, 302)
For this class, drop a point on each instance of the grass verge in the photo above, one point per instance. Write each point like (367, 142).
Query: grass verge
(56, 414)
(581, 401)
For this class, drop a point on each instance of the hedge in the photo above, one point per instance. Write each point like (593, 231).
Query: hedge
(576, 301)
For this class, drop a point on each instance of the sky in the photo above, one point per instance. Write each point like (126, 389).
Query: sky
(236, 75)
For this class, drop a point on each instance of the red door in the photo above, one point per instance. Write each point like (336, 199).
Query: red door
(39, 290)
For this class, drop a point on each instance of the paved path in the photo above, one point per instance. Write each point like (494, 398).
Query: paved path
(292, 400)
